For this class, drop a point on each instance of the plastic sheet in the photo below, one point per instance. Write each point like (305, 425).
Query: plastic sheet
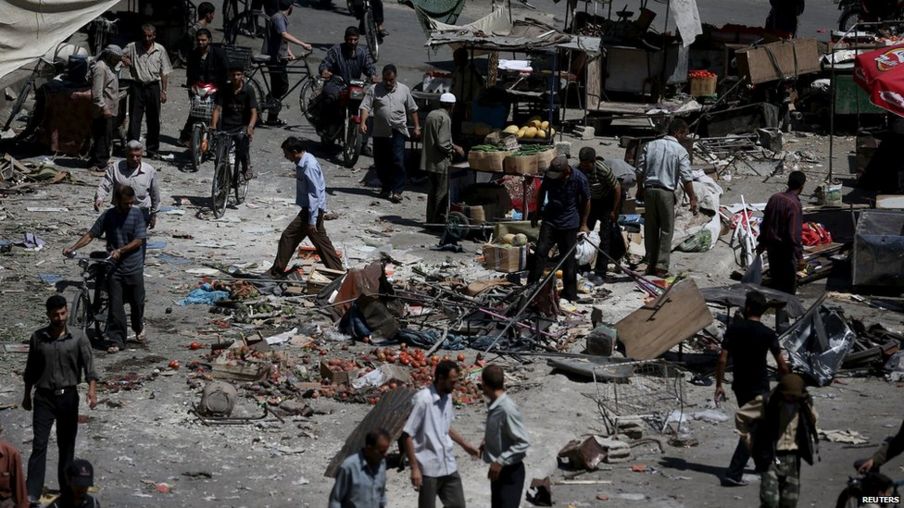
(818, 343)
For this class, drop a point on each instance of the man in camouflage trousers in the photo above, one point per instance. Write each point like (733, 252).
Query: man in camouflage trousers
(781, 430)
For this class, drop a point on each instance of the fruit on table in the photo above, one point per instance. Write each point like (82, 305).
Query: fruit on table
(535, 128)
(511, 129)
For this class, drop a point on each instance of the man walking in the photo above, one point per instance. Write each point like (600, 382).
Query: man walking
(105, 99)
(125, 231)
(310, 195)
(780, 234)
(236, 113)
(134, 173)
(13, 493)
(436, 156)
(747, 341)
(505, 441)
(781, 430)
(428, 436)
(661, 165)
(605, 203)
(80, 476)
(566, 195)
(391, 105)
(361, 480)
(276, 45)
(149, 66)
(57, 360)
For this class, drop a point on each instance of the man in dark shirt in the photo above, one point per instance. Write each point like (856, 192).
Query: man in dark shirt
(347, 61)
(565, 213)
(780, 235)
(57, 360)
(125, 231)
(276, 45)
(206, 64)
(747, 340)
(236, 113)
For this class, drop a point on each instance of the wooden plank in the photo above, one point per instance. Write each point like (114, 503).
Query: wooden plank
(390, 413)
(673, 317)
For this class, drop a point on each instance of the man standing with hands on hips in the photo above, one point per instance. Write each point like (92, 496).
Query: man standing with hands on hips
(58, 358)
(505, 443)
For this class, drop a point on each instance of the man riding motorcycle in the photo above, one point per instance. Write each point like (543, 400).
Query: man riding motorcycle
(345, 60)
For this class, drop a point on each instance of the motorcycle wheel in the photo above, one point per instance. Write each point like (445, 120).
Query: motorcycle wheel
(849, 498)
(849, 17)
(351, 148)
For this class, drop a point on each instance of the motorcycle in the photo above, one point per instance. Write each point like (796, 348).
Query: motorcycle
(857, 11)
(341, 129)
(871, 489)
(202, 103)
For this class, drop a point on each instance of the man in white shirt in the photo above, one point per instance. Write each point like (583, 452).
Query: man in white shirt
(428, 436)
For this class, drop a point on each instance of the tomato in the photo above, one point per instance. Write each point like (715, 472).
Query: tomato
(194, 346)
(461, 357)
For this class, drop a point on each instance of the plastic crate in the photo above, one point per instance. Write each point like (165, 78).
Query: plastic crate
(238, 55)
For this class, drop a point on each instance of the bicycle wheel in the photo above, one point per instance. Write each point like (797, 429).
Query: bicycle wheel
(849, 498)
(305, 94)
(351, 148)
(20, 101)
(79, 312)
(230, 12)
(261, 96)
(240, 184)
(197, 156)
(373, 45)
(219, 187)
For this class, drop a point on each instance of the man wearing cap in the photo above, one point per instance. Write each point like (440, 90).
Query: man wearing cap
(661, 166)
(138, 175)
(80, 474)
(105, 105)
(436, 155)
(58, 359)
(605, 203)
(150, 66)
(391, 105)
(13, 493)
(564, 214)
(781, 430)
(345, 60)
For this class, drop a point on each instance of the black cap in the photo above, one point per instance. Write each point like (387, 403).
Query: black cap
(80, 473)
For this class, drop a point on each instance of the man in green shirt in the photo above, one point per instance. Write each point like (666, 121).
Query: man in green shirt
(436, 156)
(605, 204)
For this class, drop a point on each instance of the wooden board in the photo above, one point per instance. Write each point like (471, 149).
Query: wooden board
(675, 316)
(390, 413)
(779, 60)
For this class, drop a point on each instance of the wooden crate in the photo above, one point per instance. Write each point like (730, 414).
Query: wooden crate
(504, 259)
(520, 165)
(703, 87)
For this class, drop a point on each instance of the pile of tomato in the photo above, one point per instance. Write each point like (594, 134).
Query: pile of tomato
(701, 74)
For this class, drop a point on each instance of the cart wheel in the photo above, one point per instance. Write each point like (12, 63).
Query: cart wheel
(456, 225)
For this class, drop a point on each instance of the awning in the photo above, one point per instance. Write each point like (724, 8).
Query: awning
(525, 35)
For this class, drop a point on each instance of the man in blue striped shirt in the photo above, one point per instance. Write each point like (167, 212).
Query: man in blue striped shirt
(310, 195)
(361, 480)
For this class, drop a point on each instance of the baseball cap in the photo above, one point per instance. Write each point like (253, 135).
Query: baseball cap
(557, 168)
(80, 473)
(447, 98)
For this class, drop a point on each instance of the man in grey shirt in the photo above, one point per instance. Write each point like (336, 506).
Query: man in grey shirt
(139, 175)
(661, 165)
(505, 441)
(361, 480)
(58, 358)
(391, 105)
(105, 98)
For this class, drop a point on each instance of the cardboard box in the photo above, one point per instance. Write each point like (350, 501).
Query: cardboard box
(520, 165)
(336, 375)
(779, 60)
(506, 259)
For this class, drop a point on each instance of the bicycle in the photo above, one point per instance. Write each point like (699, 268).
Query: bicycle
(89, 302)
(369, 24)
(309, 83)
(202, 102)
(227, 175)
(247, 21)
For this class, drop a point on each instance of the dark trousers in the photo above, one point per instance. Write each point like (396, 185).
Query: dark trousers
(437, 197)
(144, 99)
(389, 157)
(782, 268)
(506, 491)
(242, 147)
(565, 240)
(102, 132)
(185, 133)
(46, 409)
(295, 233)
(599, 211)
(448, 488)
(741, 454)
(279, 85)
(125, 289)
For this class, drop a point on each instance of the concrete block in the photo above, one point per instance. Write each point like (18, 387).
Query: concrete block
(586, 133)
(563, 148)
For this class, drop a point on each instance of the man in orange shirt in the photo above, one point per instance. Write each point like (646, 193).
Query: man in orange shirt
(12, 482)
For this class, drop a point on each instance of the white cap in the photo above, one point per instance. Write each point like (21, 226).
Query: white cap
(447, 98)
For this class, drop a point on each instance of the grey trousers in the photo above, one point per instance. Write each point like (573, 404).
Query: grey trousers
(448, 488)
(437, 197)
(658, 226)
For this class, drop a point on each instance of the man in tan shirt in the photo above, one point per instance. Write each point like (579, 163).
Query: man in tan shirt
(105, 99)
(149, 66)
